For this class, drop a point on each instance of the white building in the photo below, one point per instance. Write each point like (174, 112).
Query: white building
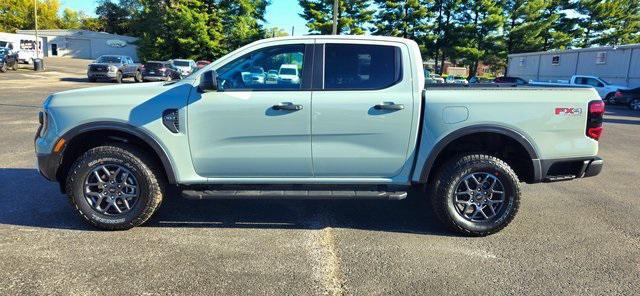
(617, 65)
(84, 44)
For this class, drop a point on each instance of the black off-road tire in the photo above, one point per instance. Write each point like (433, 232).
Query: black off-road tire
(151, 183)
(119, 77)
(92, 79)
(138, 76)
(3, 67)
(14, 67)
(443, 193)
(610, 99)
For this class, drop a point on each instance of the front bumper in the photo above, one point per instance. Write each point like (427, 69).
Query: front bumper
(153, 78)
(48, 164)
(110, 75)
(553, 170)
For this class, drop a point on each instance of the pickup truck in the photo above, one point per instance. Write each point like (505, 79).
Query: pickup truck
(114, 67)
(605, 89)
(358, 124)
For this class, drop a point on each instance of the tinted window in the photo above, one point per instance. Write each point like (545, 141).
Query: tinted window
(181, 63)
(357, 66)
(248, 71)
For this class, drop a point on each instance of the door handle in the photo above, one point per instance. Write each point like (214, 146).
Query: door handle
(287, 106)
(389, 106)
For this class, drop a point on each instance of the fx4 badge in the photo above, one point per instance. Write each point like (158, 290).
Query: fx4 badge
(568, 111)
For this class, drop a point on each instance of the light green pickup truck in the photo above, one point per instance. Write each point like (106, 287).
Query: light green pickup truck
(357, 123)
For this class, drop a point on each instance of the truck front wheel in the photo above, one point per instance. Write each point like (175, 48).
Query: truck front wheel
(476, 195)
(115, 187)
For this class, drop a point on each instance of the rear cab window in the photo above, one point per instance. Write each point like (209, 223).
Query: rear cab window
(361, 66)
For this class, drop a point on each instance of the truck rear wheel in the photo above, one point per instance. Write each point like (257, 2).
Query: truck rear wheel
(476, 195)
(115, 187)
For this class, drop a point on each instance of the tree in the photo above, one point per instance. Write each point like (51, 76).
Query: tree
(353, 16)
(524, 24)
(479, 33)
(117, 18)
(70, 19)
(407, 18)
(18, 15)
(275, 32)
(241, 21)
(608, 22)
(558, 29)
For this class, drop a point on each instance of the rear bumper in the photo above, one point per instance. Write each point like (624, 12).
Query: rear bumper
(553, 170)
(153, 78)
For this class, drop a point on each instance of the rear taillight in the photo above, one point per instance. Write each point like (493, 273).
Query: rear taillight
(618, 94)
(594, 119)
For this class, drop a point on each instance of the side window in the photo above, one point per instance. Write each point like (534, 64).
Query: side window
(271, 68)
(361, 67)
(594, 82)
(580, 80)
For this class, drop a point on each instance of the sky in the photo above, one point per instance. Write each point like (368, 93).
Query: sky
(281, 13)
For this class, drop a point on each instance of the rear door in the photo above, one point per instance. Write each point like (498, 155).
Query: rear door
(362, 109)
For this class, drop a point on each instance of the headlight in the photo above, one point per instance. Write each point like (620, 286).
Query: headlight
(112, 68)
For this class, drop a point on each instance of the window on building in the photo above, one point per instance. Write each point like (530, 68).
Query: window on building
(356, 66)
(555, 60)
(601, 58)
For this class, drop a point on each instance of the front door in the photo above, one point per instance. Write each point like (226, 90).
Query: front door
(256, 125)
(362, 117)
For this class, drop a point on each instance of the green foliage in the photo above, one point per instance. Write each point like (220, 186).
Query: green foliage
(275, 32)
(70, 19)
(608, 22)
(117, 18)
(18, 15)
(353, 16)
(407, 18)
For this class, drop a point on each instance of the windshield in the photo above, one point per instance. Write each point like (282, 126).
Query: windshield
(108, 59)
(181, 63)
(287, 71)
(4, 51)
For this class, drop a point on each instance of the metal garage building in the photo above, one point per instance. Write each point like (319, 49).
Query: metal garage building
(84, 44)
(617, 65)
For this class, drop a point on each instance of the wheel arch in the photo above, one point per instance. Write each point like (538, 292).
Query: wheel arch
(114, 131)
(524, 142)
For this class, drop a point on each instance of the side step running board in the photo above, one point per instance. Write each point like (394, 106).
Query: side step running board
(293, 194)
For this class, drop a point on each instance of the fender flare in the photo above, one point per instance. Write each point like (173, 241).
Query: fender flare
(483, 128)
(129, 129)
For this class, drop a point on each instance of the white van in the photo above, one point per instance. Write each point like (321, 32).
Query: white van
(23, 45)
(289, 74)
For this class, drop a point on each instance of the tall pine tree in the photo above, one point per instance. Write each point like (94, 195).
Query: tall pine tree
(353, 16)
(405, 18)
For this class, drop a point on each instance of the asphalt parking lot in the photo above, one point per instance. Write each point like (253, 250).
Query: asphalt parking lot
(579, 237)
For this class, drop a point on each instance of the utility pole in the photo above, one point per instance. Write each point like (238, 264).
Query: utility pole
(293, 30)
(35, 13)
(335, 17)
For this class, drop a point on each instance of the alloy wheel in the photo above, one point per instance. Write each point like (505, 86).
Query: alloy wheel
(479, 197)
(111, 189)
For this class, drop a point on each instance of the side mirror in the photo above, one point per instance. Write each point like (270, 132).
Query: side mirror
(208, 81)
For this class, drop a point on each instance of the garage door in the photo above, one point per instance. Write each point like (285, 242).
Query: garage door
(79, 48)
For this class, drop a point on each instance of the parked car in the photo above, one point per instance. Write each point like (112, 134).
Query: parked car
(257, 76)
(511, 80)
(160, 71)
(186, 67)
(371, 131)
(605, 89)
(200, 64)
(272, 77)
(8, 60)
(456, 79)
(629, 97)
(289, 74)
(115, 68)
(436, 78)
